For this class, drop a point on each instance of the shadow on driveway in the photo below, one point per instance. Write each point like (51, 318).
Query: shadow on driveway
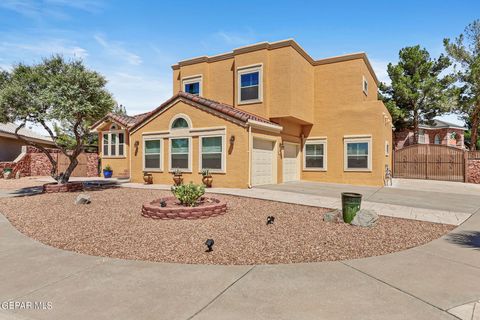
(469, 239)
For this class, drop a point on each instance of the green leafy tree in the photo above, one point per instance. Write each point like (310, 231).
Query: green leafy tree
(418, 93)
(465, 51)
(55, 91)
(120, 110)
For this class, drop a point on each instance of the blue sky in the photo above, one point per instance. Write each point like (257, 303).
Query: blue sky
(134, 43)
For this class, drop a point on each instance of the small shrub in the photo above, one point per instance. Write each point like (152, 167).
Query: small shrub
(188, 194)
(107, 168)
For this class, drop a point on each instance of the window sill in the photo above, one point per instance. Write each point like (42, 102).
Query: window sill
(249, 102)
(114, 157)
(315, 169)
(181, 171)
(214, 172)
(152, 170)
(357, 170)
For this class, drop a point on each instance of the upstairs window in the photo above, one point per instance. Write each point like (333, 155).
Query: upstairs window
(193, 85)
(365, 85)
(250, 84)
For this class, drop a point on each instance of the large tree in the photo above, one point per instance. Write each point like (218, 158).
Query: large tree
(418, 92)
(55, 91)
(465, 51)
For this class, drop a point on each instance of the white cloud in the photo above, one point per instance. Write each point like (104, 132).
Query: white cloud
(44, 47)
(236, 39)
(116, 49)
(39, 9)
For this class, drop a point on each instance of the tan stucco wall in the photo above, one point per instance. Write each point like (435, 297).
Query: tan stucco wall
(236, 155)
(342, 109)
(322, 100)
(119, 165)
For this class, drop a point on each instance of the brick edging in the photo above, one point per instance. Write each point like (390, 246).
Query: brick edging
(66, 187)
(154, 211)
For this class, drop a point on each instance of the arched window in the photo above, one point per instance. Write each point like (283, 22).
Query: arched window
(179, 123)
(113, 127)
(437, 139)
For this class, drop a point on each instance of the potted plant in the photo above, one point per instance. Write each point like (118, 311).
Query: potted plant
(207, 178)
(7, 173)
(107, 171)
(147, 177)
(177, 177)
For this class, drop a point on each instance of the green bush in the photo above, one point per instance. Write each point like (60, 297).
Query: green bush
(188, 194)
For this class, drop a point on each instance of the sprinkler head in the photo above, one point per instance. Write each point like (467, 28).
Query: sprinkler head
(270, 220)
(209, 243)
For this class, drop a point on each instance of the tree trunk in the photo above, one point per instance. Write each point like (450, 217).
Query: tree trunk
(66, 175)
(475, 123)
(415, 127)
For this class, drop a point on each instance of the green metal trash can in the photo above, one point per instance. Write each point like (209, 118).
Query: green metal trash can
(350, 205)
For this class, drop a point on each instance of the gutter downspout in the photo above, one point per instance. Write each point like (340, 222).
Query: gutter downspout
(249, 156)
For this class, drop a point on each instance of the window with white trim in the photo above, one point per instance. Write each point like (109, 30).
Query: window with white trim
(250, 84)
(365, 85)
(212, 153)
(358, 154)
(113, 144)
(180, 153)
(315, 155)
(193, 85)
(152, 154)
(180, 123)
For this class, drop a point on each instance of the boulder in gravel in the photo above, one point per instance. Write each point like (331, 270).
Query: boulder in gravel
(333, 216)
(83, 199)
(365, 218)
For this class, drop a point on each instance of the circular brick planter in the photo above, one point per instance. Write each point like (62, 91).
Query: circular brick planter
(208, 207)
(66, 187)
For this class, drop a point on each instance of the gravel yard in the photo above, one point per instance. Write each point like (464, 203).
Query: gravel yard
(112, 226)
(26, 182)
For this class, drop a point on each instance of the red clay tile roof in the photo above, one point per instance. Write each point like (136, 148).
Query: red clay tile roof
(214, 105)
(127, 121)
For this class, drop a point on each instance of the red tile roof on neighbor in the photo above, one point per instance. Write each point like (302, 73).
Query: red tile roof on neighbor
(211, 104)
(124, 120)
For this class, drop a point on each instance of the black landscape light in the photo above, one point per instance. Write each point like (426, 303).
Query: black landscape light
(209, 243)
(270, 220)
(163, 204)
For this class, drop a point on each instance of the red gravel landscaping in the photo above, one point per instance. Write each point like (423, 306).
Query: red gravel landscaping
(112, 226)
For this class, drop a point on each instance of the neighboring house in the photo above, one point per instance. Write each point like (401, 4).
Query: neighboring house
(439, 132)
(262, 114)
(11, 147)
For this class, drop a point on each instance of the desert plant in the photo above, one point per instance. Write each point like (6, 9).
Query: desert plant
(108, 168)
(188, 194)
(177, 172)
(205, 172)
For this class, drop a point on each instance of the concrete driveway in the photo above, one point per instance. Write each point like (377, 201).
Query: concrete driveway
(436, 195)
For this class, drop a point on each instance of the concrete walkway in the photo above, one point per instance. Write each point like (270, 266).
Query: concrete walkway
(434, 281)
(397, 201)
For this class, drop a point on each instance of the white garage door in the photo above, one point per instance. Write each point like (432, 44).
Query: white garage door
(262, 162)
(290, 162)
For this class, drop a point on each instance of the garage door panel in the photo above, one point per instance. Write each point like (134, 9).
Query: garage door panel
(262, 162)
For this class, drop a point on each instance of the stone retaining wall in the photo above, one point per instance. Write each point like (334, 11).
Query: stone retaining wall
(155, 211)
(36, 163)
(473, 170)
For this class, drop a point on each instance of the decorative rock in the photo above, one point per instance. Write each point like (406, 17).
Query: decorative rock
(333, 216)
(365, 218)
(83, 199)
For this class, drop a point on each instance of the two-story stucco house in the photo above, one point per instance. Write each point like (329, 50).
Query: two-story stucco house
(262, 114)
